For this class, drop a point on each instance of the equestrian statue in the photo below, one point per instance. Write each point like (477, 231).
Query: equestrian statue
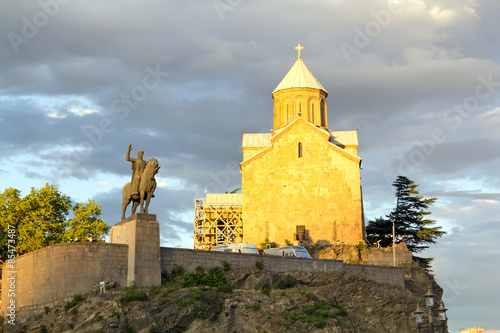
(140, 189)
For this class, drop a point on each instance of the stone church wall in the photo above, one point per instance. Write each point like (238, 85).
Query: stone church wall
(319, 190)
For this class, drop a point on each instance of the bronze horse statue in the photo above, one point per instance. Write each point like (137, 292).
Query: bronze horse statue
(147, 186)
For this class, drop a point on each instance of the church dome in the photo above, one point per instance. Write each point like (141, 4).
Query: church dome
(299, 94)
(299, 76)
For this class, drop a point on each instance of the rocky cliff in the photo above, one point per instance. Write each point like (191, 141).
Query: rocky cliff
(239, 300)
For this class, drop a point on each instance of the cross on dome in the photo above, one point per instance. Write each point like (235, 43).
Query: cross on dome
(298, 47)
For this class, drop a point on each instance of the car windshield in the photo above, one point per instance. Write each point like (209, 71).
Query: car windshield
(303, 254)
(250, 250)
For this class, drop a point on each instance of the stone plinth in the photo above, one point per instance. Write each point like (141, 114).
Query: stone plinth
(141, 232)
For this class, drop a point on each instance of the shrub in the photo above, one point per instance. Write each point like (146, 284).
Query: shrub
(178, 270)
(286, 281)
(43, 329)
(77, 299)
(155, 290)
(267, 245)
(215, 278)
(226, 265)
(266, 289)
(259, 264)
(133, 294)
(162, 301)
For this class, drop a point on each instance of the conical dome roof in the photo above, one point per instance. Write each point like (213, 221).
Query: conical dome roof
(299, 76)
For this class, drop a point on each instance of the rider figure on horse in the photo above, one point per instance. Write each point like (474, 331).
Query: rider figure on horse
(138, 166)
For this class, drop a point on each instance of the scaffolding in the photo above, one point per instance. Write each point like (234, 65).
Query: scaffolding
(217, 220)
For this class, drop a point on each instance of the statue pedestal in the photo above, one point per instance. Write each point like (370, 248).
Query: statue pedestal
(141, 232)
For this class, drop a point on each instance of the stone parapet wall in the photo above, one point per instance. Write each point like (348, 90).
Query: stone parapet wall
(190, 259)
(384, 256)
(62, 270)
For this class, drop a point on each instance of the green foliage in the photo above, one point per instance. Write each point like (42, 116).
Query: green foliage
(41, 219)
(266, 289)
(162, 301)
(288, 243)
(99, 318)
(410, 218)
(155, 290)
(116, 314)
(71, 326)
(256, 307)
(267, 245)
(226, 265)
(153, 329)
(133, 294)
(46, 309)
(317, 312)
(43, 329)
(130, 329)
(77, 299)
(74, 311)
(259, 264)
(178, 270)
(286, 281)
(215, 278)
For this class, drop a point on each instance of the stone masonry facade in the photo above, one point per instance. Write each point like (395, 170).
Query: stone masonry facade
(319, 190)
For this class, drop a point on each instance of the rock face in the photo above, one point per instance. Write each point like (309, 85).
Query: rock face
(260, 301)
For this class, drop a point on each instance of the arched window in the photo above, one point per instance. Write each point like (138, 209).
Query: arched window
(312, 114)
(323, 115)
(287, 118)
(300, 149)
(300, 110)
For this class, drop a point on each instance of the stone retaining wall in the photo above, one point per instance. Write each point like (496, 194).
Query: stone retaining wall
(190, 259)
(62, 270)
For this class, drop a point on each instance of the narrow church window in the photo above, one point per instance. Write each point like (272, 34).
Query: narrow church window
(300, 149)
(300, 110)
(287, 119)
(323, 116)
(312, 114)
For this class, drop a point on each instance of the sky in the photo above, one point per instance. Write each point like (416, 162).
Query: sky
(180, 80)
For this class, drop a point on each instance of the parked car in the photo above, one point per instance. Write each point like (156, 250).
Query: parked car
(288, 251)
(237, 247)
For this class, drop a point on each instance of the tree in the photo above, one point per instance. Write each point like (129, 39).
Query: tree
(410, 218)
(41, 219)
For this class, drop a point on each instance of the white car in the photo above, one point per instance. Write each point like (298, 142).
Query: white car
(288, 251)
(237, 247)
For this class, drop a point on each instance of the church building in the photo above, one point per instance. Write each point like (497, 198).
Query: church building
(300, 182)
